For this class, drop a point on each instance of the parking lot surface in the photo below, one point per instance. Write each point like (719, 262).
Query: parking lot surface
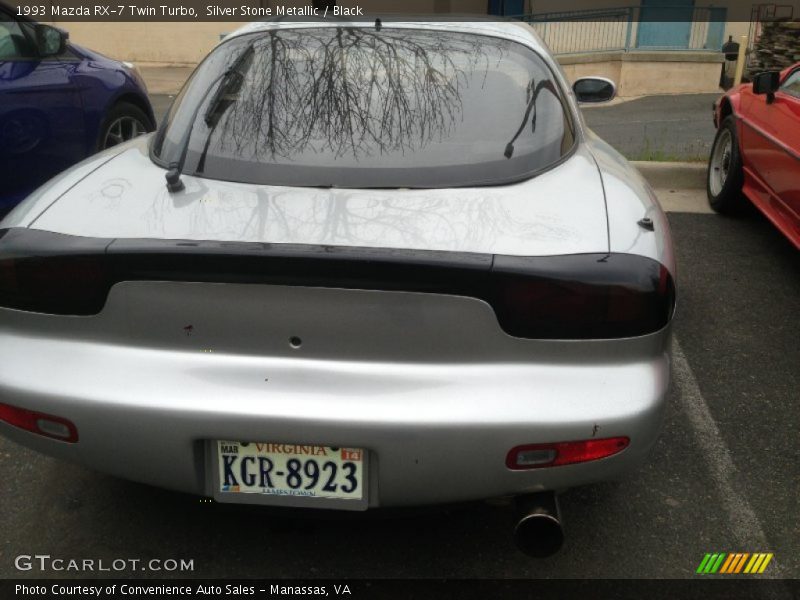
(723, 477)
(661, 128)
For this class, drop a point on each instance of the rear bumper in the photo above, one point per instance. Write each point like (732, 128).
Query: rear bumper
(436, 433)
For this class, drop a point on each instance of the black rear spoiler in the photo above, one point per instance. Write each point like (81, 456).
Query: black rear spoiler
(578, 296)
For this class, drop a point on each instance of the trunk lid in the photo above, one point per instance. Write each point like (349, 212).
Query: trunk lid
(561, 211)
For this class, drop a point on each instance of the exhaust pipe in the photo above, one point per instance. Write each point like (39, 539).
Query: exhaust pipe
(538, 532)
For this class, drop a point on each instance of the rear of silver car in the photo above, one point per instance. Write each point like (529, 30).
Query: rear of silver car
(346, 347)
(343, 349)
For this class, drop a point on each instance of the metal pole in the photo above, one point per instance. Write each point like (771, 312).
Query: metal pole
(629, 30)
(737, 79)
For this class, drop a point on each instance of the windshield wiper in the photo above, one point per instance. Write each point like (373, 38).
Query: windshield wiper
(545, 84)
(228, 90)
(227, 93)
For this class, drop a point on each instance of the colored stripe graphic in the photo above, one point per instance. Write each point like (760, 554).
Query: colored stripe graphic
(734, 563)
(757, 564)
(711, 563)
(752, 563)
(767, 558)
(727, 564)
(718, 563)
(740, 564)
(703, 563)
(732, 567)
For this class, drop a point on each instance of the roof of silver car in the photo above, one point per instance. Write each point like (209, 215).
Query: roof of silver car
(516, 30)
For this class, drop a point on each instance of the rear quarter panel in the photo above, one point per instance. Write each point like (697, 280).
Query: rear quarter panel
(629, 198)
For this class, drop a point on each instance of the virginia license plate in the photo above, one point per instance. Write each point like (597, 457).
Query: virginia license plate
(290, 471)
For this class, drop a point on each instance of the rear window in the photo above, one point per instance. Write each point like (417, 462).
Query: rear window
(360, 107)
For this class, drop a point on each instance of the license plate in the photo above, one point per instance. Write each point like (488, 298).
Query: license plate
(290, 474)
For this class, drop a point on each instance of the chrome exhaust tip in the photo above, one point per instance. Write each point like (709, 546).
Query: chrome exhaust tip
(538, 532)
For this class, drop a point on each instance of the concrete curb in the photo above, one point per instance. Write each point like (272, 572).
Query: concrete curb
(679, 186)
(673, 175)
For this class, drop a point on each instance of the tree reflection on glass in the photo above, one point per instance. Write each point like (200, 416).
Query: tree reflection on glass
(349, 90)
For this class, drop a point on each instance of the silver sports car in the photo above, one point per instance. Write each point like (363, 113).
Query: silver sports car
(360, 264)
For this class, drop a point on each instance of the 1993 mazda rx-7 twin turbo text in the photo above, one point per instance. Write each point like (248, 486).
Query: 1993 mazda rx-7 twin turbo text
(357, 266)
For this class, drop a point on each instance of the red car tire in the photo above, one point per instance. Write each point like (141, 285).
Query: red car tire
(725, 177)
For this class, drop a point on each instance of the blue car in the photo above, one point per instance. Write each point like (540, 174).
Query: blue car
(59, 103)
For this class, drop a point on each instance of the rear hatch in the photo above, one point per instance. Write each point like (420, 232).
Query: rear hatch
(534, 255)
(561, 211)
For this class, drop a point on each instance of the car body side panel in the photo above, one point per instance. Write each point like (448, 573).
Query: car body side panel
(728, 104)
(786, 178)
(103, 82)
(42, 123)
(629, 199)
(769, 141)
(559, 212)
(764, 198)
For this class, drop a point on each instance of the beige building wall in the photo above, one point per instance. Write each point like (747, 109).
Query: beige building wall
(165, 43)
(738, 11)
(565, 37)
(737, 25)
(648, 72)
(186, 43)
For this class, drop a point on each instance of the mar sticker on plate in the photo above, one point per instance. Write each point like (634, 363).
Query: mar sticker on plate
(290, 470)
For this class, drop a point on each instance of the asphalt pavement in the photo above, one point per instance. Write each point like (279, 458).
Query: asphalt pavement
(659, 128)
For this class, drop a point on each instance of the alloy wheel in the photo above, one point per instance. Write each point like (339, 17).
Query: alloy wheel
(123, 129)
(719, 168)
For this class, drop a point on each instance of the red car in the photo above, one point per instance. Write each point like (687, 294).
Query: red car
(756, 152)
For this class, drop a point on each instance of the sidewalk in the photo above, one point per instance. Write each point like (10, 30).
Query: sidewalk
(679, 186)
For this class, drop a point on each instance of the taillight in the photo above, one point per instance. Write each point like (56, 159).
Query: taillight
(43, 424)
(583, 296)
(74, 285)
(66, 279)
(536, 456)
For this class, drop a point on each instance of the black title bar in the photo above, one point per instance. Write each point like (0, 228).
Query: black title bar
(369, 10)
(442, 589)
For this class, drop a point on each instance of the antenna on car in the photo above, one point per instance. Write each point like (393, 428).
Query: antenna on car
(173, 177)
